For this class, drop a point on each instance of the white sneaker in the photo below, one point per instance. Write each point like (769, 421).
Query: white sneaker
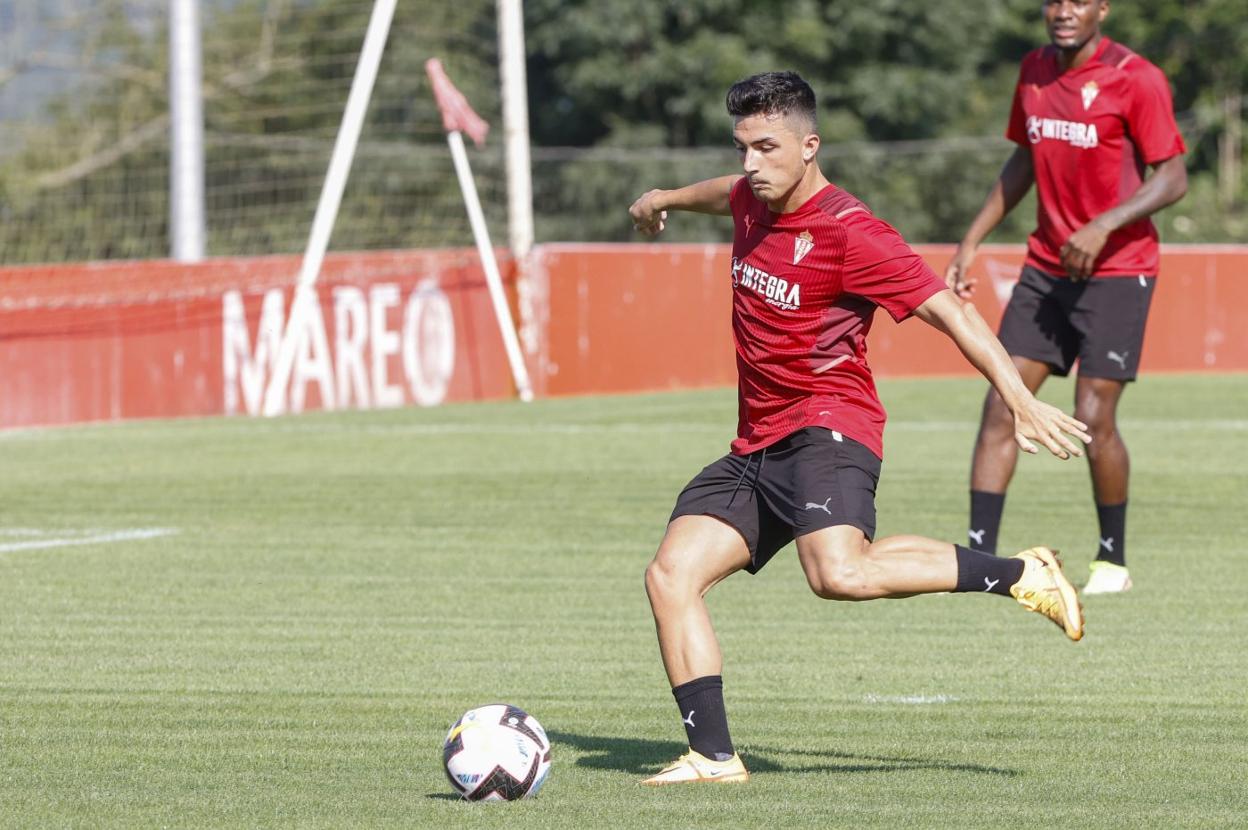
(1107, 578)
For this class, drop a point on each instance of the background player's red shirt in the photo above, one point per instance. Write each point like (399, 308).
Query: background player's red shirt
(805, 287)
(1091, 132)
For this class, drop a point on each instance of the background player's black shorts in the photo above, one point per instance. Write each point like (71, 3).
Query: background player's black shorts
(1099, 321)
(809, 480)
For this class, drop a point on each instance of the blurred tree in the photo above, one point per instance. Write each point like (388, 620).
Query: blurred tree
(1203, 47)
(630, 75)
(91, 180)
(625, 75)
(623, 96)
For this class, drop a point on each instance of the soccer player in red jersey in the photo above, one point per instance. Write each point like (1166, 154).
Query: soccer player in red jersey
(1089, 117)
(810, 264)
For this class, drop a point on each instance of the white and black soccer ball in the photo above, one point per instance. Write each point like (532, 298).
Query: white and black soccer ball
(496, 753)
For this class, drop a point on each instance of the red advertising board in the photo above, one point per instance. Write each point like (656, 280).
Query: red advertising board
(159, 339)
(106, 341)
(631, 317)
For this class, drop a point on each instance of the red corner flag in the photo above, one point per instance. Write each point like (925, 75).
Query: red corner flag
(456, 113)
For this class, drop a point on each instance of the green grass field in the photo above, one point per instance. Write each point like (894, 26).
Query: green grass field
(340, 587)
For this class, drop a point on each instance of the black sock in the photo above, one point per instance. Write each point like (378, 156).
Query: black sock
(701, 703)
(981, 572)
(985, 520)
(1113, 519)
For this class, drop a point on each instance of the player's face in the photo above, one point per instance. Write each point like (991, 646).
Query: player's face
(1072, 23)
(774, 154)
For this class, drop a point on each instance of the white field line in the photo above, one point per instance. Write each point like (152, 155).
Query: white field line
(92, 537)
(1157, 424)
(257, 426)
(911, 700)
(626, 428)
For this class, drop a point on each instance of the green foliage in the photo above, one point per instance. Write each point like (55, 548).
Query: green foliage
(276, 79)
(890, 71)
(1203, 48)
(623, 97)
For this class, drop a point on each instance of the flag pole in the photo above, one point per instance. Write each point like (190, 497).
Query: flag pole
(458, 117)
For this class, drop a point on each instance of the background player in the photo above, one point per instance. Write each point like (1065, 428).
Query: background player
(1088, 116)
(810, 265)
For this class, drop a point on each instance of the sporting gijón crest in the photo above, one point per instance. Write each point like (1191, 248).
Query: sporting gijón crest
(1089, 91)
(803, 244)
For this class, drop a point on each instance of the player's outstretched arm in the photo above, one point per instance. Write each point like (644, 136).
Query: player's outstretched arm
(1034, 420)
(649, 212)
(1011, 186)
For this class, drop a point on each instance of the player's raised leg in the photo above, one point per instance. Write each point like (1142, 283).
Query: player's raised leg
(995, 457)
(1096, 404)
(840, 563)
(696, 553)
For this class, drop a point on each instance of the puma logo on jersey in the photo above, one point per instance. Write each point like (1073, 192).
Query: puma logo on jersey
(810, 505)
(1120, 359)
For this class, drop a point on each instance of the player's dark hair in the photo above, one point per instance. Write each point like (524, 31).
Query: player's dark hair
(773, 93)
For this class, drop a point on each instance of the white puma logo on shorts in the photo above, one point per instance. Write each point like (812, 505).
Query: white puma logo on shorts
(810, 505)
(1120, 359)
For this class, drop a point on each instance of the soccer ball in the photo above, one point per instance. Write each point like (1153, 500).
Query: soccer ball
(496, 753)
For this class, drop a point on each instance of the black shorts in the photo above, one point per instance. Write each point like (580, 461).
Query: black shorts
(809, 480)
(1099, 321)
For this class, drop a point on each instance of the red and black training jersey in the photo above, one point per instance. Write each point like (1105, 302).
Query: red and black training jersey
(1091, 131)
(805, 287)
